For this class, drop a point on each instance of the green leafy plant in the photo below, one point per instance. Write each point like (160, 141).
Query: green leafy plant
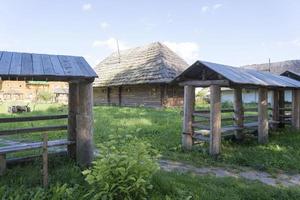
(123, 170)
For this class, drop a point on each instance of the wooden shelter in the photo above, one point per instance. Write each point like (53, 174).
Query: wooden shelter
(215, 76)
(140, 76)
(80, 76)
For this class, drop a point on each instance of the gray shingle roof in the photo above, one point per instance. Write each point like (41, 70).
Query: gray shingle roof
(152, 63)
(236, 75)
(14, 65)
(277, 67)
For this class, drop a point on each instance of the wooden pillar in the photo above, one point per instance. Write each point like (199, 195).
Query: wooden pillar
(73, 111)
(275, 109)
(263, 124)
(296, 108)
(108, 95)
(188, 109)
(281, 107)
(84, 138)
(238, 112)
(215, 120)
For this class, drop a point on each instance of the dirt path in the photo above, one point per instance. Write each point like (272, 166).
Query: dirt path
(266, 178)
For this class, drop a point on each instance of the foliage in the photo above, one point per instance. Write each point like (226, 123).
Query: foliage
(123, 169)
(201, 96)
(44, 96)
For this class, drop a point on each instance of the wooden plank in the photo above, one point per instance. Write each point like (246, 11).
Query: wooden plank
(73, 111)
(238, 112)
(16, 64)
(188, 109)
(45, 160)
(296, 108)
(33, 145)
(56, 65)
(85, 67)
(5, 62)
(37, 64)
(47, 65)
(32, 118)
(281, 105)
(2, 163)
(263, 115)
(33, 130)
(215, 120)
(206, 83)
(67, 65)
(84, 140)
(27, 67)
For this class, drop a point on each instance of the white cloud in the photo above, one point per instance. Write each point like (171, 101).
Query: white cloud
(204, 8)
(104, 25)
(111, 44)
(86, 7)
(189, 51)
(295, 42)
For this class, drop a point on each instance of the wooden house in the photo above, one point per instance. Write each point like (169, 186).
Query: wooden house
(140, 76)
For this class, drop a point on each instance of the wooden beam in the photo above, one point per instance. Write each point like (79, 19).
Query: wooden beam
(281, 108)
(275, 106)
(263, 126)
(206, 83)
(188, 109)
(84, 140)
(296, 108)
(215, 120)
(238, 112)
(33, 130)
(31, 118)
(73, 111)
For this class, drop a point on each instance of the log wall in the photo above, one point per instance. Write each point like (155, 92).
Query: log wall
(150, 95)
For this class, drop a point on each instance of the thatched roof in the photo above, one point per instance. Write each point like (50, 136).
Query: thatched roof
(152, 63)
(277, 67)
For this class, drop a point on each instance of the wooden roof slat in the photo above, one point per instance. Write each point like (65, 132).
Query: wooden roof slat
(16, 64)
(56, 65)
(5, 62)
(48, 68)
(27, 67)
(38, 68)
(22, 66)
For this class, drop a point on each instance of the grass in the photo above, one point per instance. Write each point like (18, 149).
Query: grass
(162, 128)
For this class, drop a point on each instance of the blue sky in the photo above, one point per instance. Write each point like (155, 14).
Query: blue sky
(229, 32)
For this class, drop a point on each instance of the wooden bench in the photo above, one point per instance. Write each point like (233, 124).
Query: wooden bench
(204, 132)
(28, 146)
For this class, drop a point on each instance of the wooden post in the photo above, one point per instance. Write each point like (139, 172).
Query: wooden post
(238, 112)
(73, 111)
(108, 95)
(215, 120)
(188, 109)
(275, 109)
(281, 107)
(45, 160)
(120, 95)
(263, 124)
(2, 163)
(84, 138)
(296, 108)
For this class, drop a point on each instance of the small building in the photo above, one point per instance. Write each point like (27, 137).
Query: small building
(140, 76)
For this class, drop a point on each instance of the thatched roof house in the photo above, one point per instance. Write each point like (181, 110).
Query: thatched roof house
(140, 76)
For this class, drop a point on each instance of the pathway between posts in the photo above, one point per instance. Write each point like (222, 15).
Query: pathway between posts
(248, 174)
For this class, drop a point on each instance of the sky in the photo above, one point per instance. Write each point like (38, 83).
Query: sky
(232, 32)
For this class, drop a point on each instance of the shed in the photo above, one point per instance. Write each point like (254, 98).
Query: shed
(291, 74)
(80, 76)
(215, 76)
(140, 76)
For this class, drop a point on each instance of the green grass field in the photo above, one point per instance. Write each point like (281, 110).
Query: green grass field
(162, 128)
